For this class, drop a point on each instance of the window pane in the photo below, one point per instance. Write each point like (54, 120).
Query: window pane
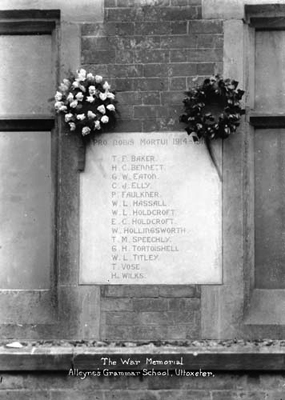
(25, 210)
(269, 208)
(269, 71)
(26, 74)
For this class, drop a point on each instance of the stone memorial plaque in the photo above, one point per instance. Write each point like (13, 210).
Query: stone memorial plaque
(150, 211)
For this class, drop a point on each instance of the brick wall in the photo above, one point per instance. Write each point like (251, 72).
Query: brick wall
(150, 51)
(223, 386)
(150, 313)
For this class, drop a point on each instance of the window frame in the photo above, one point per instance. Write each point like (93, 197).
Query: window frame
(67, 311)
(236, 309)
(265, 307)
(41, 303)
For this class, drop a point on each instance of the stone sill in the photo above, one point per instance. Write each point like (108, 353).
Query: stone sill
(215, 357)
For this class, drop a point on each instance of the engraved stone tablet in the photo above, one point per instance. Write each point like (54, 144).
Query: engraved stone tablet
(150, 211)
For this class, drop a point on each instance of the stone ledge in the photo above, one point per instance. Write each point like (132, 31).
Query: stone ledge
(228, 356)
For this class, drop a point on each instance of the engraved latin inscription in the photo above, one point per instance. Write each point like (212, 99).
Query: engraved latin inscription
(152, 227)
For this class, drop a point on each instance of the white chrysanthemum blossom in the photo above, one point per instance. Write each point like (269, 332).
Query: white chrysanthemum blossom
(81, 117)
(80, 96)
(58, 104)
(106, 86)
(86, 131)
(102, 109)
(81, 74)
(58, 96)
(103, 96)
(74, 104)
(72, 126)
(70, 97)
(75, 85)
(90, 77)
(63, 87)
(111, 107)
(97, 125)
(98, 78)
(62, 109)
(105, 119)
(92, 90)
(110, 95)
(90, 99)
(91, 115)
(68, 117)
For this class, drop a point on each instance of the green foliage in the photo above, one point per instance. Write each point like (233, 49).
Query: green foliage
(212, 92)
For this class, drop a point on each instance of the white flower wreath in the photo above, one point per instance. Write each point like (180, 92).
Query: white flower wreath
(87, 103)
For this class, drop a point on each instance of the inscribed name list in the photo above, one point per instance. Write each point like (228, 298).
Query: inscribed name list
(150, 211)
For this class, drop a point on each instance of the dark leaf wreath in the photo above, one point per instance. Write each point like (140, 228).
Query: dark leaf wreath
(212, 91)
(200, 110)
